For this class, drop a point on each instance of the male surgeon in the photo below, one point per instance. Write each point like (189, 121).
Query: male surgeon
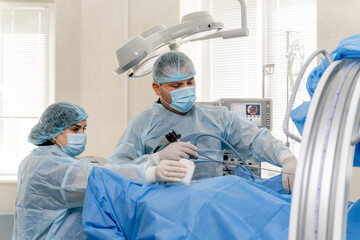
(174, 83)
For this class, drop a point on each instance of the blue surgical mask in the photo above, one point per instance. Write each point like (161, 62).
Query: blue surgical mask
(76, 144)
(182, 99)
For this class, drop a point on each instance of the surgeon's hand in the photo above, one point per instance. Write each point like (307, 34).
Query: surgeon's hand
(288, 173)
(178, 150)
(166, 171)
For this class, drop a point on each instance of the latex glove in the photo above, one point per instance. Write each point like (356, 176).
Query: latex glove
(166, 171)
(288, 166)
(175, 151)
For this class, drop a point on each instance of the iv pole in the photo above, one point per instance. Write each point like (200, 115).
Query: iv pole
(293, 53)
(287, 54)
(268, 69)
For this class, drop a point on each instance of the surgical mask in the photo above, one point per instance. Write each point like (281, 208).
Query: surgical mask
(76, 144)
(182, 99)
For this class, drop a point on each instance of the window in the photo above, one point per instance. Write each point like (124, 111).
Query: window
(290, 30)
(233, 68)
(25, 78)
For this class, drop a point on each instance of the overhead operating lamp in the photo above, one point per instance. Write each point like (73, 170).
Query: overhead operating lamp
(139, 53)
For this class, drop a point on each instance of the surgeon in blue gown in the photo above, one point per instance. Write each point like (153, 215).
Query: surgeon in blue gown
(52, 181)
(174, 83)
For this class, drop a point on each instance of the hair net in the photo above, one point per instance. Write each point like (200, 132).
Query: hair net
(54, 120)
(173, 66)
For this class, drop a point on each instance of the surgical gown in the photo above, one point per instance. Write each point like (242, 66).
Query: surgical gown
(51, 191)
(144, 132)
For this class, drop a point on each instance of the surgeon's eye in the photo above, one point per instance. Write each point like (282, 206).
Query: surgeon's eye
(75, 129)
(176, 85)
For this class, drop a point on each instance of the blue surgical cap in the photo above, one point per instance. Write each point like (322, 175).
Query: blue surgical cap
(54, 120)
(173, 66)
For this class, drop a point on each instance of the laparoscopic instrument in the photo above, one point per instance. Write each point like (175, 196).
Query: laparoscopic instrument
(246, 171)
(167, 139)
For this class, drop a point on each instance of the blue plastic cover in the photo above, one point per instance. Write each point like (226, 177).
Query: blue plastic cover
(227, 207)
(217, 208)
(298, 115)
(357, 156)
(348, 48)
(353, 230)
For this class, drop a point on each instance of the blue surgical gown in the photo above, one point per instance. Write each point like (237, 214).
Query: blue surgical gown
(51, 191)
(144, 132)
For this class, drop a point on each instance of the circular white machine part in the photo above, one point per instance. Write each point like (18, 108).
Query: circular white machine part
(320, 198)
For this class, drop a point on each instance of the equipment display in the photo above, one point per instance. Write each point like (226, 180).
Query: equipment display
(257, 110)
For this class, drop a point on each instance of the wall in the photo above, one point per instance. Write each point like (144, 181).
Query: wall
(141, 94)
(336, 21)
(67, 51)
(102, 30)
(7, 197)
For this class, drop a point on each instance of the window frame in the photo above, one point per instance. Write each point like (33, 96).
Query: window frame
(50, 5)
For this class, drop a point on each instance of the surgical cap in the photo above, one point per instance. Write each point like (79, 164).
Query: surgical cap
(54, 120)
(173, 66)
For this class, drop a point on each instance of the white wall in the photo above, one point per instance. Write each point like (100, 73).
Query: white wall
(102, 30)
(336, 21)
(141, 94)
(67, 51)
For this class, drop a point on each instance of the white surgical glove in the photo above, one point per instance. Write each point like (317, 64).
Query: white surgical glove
(166, 171)
(288, 173)
(175, 151)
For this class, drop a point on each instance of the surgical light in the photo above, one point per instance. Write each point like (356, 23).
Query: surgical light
(140, 52)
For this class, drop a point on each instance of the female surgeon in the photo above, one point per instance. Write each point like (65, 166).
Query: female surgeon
(51, 181)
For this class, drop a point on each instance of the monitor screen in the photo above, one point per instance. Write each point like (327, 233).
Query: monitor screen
(252, 109)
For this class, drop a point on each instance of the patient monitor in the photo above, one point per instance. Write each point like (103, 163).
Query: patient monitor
(257, 110)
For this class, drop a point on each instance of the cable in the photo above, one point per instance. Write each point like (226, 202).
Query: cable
(237, 170)
(226, 166)
(228, 145)
(227, 169)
